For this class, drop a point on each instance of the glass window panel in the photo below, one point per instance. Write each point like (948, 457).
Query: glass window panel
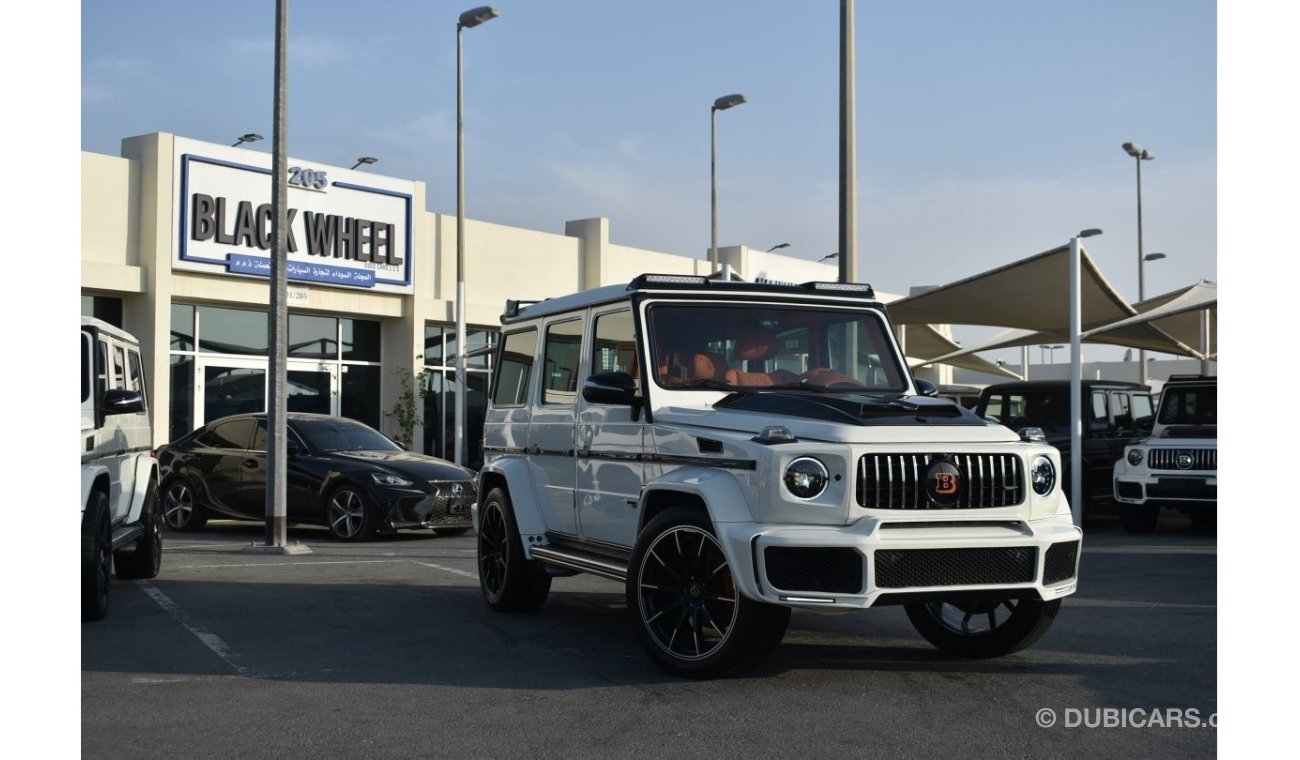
(86, 352)
(479, 340)
(433, 344)
(119, 367)
(361, 340)
(475, 415)
(560, 368)
(360, 389)
(436, 400)
(615, 347)
(1099, 407)
(235, 434)
(232, 331)
(182, 397)
(313, 337)
(307, 391)
(135, 375)
(516, 368)
(232, 390)
(182, 330)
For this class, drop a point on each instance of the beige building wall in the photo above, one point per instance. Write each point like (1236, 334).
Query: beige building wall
(129, 204)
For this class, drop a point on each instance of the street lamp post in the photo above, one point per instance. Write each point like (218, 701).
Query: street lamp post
(1050, 351)
(721, 104)
(1076, 374)
(1139, 155)
(468, 20)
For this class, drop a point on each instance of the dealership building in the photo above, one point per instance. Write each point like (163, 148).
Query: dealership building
(175, 248)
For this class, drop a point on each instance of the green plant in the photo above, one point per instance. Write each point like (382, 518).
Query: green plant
(407, 410)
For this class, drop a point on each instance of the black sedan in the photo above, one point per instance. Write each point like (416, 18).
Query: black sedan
(340, 474)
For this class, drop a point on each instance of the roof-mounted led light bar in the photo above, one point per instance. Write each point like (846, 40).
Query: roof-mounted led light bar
(691, 281)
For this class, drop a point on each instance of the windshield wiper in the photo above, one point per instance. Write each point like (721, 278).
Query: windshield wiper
(802, 385)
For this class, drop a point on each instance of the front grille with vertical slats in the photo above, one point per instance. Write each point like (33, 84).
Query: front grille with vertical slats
(1167, 459)
(897, 481)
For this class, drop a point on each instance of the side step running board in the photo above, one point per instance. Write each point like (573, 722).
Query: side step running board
(125, 535)
(580, 561)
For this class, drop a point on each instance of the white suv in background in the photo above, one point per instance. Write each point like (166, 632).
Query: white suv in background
(730, 451)
(119, 476)
(1177, 466)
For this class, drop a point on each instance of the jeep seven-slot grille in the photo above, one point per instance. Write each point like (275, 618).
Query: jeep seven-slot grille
(1167, 459)
(918, 568)
(897, 481)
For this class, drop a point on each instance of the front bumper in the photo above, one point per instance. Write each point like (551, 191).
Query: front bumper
(878, 561)
(448, 506)
(1179, 491)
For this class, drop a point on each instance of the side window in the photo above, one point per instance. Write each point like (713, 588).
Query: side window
(119, 367)
(515, 367)
(560, 367)
(1142, 411)
(1119, 404)
(234, 434)
(1099, 407)
(101, 367)
(614, 349)
(993, 410)
(135, 376)
(87, 362)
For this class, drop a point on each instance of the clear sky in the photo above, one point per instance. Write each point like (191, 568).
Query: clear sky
(988, 130)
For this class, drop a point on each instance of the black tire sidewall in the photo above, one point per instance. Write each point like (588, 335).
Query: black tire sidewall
(757, 629)
(145, 559)
(1026, 625)
(524, 585)
(96, 549)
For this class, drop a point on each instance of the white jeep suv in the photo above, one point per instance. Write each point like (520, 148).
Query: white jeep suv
(119, 476)
(730, 451)
(1177, 466)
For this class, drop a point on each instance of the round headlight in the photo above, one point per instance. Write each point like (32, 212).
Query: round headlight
(1135, 456)
(1042, 476)
(806, 478)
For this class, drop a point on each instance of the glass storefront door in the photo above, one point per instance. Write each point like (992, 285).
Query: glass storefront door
(236, 386)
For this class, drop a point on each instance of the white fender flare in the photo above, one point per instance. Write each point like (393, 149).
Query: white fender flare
(519, 484)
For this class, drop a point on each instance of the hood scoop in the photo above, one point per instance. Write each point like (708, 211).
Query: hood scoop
(852, 408)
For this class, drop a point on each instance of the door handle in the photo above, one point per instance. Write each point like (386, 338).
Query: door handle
(250, 464)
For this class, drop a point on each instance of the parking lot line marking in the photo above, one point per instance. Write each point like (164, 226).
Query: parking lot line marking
(288, 564)
(209, 639)
(451, 570)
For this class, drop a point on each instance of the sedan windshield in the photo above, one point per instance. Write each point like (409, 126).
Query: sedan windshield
(339, 434)
(735, 346)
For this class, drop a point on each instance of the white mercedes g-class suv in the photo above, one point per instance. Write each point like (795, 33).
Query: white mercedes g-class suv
(730, 451)
(1177, 466)
(119, 476)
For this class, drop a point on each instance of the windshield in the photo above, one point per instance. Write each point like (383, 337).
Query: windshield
(340, 434)
(1189, 405)
(733, 346)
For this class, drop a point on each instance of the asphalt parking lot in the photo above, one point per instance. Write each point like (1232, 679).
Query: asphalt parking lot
(386, 649)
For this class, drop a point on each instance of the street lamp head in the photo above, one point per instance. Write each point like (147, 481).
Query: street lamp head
(1153, 257)
(472, 18)
(729, 101)
(364, 160)
(250, 137)
(778, 247)
(835, 255)
(1090, 232)
(1137, 151)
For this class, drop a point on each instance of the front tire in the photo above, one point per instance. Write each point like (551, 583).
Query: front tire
(687, 610)
(180, 506)
(510, 583)
(145, 558)
(96, 557)
(983, 629)
(347, 516)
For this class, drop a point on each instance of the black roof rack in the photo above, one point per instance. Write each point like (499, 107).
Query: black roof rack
(700, 282)
(1187, 378)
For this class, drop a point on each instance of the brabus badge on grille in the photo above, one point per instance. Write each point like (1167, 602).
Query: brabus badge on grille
(1183, 460)
(942, 483)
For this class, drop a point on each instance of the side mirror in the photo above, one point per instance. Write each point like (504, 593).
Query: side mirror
(122, 401)
(926, 387)
(610, 388)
